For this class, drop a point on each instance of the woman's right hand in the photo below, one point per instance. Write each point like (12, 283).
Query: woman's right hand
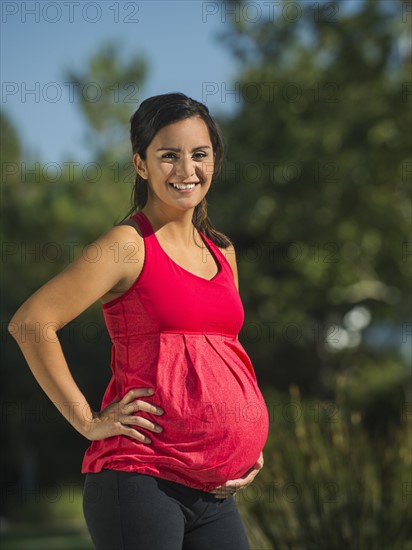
(116, 418)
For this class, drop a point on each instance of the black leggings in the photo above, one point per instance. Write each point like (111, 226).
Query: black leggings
(133, 511)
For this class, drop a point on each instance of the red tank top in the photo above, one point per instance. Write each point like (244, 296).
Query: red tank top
(177, 332)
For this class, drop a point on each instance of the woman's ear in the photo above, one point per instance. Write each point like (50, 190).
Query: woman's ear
(140, 166)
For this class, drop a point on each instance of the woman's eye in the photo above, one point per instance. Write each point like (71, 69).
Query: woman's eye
(199, 155)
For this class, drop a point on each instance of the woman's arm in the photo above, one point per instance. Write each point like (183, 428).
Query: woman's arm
(102, 265)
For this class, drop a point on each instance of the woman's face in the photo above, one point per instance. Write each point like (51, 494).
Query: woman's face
(181, 154)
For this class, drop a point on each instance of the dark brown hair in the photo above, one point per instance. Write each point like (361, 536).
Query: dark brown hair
(154, 114)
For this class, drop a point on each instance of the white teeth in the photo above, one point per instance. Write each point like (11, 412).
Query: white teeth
(183, 186)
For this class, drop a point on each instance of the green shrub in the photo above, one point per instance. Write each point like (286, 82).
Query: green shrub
(327, 483)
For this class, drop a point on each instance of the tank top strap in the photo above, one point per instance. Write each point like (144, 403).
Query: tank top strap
(143, 222)
(220, 256)
(157, 254)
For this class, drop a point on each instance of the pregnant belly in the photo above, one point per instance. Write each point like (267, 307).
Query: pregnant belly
(216, 421)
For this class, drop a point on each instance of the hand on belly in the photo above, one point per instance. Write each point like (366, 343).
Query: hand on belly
(233, 485)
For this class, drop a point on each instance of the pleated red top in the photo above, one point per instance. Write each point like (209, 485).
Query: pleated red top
(177, 332)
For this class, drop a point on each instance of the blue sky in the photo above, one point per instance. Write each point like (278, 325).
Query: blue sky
(42, 38)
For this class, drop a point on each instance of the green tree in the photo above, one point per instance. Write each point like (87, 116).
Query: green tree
(318, 172)
(314, 194)
(47, 221)
(108, 91)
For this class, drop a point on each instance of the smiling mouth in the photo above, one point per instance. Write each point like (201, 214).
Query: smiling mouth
(184, 186)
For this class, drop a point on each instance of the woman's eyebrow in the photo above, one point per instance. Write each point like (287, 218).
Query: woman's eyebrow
(177, 150)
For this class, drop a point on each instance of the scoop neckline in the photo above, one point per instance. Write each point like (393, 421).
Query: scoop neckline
(203, 237)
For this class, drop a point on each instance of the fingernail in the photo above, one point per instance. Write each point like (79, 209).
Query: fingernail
(150, 391)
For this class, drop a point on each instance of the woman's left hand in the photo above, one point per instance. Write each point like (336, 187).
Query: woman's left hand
(233, 485)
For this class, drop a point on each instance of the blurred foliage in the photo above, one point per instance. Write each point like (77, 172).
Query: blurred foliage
(50, 213)
(318, 173)
(50, 517)
(327, 484)
(64, 536)
(314, 193)
(108, 91)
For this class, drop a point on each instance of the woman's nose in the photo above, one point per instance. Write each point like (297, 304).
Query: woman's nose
(185, 168)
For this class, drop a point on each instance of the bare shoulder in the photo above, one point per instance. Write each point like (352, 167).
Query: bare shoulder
(230, 255)
(129, 227)
(124, 240)
(104, 266)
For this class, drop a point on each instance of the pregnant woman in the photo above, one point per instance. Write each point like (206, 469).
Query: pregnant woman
(182, 423)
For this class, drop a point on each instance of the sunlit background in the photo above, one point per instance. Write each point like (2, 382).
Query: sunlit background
(314, 101)
(179, 40)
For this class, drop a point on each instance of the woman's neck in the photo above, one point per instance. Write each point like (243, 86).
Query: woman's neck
(175, 228)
